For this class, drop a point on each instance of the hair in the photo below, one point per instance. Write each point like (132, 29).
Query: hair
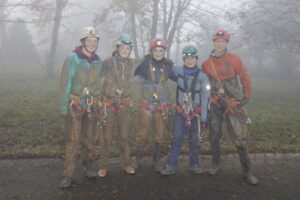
(115, 52)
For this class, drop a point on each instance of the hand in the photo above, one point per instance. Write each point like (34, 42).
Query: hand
(242, 102)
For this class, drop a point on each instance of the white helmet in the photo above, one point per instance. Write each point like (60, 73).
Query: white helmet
(88, 31)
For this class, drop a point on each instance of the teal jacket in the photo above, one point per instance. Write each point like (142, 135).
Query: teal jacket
(79, 72)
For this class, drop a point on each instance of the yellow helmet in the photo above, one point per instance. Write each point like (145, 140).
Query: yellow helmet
(88, 31)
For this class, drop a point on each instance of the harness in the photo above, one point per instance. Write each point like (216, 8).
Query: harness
(217, 97)
(154, 108)
(157, 106)
(118, 102)
(117, 107)
(120, 76)
(77, 107)
(188, 115)
(187, 110)
(153, 77)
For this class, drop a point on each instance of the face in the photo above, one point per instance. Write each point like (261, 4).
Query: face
(220, 45)
(190, 61)
(158, 53)
(91, 44)
(124, 51)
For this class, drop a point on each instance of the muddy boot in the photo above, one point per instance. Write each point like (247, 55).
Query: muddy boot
(66, 182)
(245, 162)
(156, 157)
(88, 169)
(139, 152)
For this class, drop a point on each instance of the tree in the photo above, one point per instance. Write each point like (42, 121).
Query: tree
(60, 5)
(20, 49)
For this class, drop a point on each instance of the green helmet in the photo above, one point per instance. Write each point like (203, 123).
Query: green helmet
(190, 50)
(124, 39)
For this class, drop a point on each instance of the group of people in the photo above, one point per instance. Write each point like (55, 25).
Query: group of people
(98, 96)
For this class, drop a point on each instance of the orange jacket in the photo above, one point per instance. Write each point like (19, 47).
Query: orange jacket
(227, 66)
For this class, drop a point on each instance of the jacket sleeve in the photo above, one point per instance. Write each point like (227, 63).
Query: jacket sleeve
(65, 85)
(244, 79)
(205, 94)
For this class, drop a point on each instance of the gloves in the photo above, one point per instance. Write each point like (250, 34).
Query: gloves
(242, 102)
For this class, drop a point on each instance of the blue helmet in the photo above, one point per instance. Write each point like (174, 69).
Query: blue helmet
(124, 39)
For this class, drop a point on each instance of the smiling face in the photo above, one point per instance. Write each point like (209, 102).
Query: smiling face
(90, 45)
(124, 50)
(220, 45)
(190, 61)
(158, 53)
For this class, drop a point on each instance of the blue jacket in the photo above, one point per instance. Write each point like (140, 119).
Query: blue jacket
(154, 76)
(193, 81)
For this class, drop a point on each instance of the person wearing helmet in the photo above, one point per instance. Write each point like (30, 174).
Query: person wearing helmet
(226, 72)
(80, 86)
(192, 94)
(117, 98)
(153, 73)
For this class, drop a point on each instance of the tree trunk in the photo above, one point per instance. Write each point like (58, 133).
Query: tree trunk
(3, 33)
(54, 38)
(133, 32)
(154, 19)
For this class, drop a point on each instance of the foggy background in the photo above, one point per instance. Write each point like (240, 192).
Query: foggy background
(39, 34)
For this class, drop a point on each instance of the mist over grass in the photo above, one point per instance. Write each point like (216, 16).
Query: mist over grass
(30, 123)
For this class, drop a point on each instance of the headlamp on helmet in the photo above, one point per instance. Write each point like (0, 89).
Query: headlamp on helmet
(190, 51)
(88, 31)
(124, 39)
(157, 43)
(221, 34)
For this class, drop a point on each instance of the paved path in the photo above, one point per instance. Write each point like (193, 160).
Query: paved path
(38, 179)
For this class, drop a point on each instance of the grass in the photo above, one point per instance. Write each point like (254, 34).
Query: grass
(30, 124)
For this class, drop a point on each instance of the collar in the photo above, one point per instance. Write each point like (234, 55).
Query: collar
(190, 71)
(213, 54)
(80, 54)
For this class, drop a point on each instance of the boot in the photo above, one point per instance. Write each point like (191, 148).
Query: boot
(156, 157)
(66, 182)
(245, 162)
(88, 168)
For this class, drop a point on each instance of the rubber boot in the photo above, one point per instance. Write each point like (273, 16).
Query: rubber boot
(245, 162)
(88, 169)
(216, 157)
(156, 156)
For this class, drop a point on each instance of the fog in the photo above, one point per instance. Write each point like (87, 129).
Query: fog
(265, 33)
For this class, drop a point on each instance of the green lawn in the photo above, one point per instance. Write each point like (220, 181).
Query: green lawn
(31, 125)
